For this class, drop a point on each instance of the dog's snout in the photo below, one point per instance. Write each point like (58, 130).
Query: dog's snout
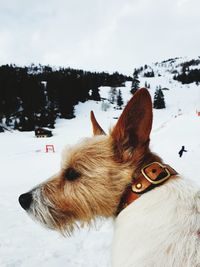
(25, 200)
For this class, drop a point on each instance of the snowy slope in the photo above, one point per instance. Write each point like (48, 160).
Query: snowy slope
(24, 164)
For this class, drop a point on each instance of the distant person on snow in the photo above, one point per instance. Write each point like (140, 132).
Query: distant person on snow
(181, 151)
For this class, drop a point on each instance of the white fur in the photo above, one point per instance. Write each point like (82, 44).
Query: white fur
(161, 228)
(39, 208)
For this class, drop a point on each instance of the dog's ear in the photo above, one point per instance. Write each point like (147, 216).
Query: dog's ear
(97, 130)
(134, 125)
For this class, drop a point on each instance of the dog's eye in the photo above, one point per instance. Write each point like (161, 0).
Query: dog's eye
(71, 174)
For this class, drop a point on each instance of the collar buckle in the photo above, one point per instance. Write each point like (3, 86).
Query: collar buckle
(151, 175)
(153, 168)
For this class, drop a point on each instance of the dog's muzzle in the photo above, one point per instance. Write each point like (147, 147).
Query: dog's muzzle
(25, 200)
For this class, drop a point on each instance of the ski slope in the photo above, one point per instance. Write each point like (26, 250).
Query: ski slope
(24, 163)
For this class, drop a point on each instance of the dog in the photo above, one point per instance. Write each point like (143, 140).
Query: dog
(156, 212)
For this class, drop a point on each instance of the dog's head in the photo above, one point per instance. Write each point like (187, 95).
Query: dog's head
(94, 172)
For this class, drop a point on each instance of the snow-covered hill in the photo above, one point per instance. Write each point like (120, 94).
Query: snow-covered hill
(24, 163)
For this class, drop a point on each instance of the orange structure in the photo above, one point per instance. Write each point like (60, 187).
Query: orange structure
(50, 148)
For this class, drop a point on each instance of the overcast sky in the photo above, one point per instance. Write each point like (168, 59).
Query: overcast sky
(99, 35)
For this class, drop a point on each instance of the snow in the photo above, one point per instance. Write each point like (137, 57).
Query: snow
(24, 164)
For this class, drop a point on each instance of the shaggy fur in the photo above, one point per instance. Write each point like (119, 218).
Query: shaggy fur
(161, 228)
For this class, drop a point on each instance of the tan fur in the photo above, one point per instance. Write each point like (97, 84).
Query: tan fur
(96, 193)
(106, 164)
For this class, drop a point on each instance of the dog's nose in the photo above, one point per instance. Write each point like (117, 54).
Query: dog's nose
(25, 200)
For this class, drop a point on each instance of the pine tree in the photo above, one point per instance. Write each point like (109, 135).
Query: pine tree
(95, 94)
(120, 101)
(135, 83)
(159, 101)
(147, 85)
(105, 105)
(112, 95)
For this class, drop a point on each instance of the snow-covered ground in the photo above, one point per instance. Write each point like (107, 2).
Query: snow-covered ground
(24, 163)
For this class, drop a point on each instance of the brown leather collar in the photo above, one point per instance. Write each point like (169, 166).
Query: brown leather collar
(150, 176)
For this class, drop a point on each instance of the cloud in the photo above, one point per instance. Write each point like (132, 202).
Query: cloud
(98, 35)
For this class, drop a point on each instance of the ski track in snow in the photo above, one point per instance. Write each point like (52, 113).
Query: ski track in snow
(24, 164)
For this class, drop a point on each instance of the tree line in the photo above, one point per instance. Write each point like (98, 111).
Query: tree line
(35, 96)
(188, 74)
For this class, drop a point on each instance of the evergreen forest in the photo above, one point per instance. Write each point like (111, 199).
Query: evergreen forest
(35, 96)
